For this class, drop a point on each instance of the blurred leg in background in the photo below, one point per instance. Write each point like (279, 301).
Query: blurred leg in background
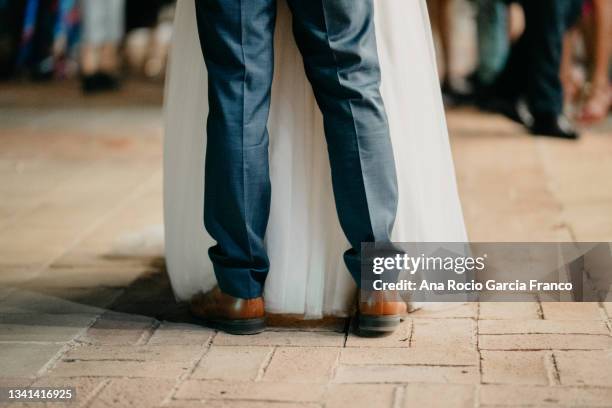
(597, 31)
(35, 56)
(66, 37)
(493, 39)
(149, 25)
(532, 72)
(442, 22)
(103, 28)
(11, 26)
(572, 77)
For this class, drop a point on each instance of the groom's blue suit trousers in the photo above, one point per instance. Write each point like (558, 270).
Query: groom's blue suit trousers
(338, 44)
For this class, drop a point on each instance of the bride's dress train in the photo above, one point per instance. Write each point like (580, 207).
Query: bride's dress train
(304, 239)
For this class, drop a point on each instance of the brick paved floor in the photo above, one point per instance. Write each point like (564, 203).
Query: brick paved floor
(76, 175)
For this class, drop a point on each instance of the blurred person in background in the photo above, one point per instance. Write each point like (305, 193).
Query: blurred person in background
(594, 91)
(498, 26)
(529, 89)
(493, 43)
(441, 14)
(103, 30)
(49, 33)
(11, 19)
(149, 32)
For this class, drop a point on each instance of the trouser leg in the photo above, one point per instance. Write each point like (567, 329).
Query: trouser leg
(545, 24)
(511, 84)
(338, 44)
(237, 43)
(493, 41)
(115, 20)
(573, 12)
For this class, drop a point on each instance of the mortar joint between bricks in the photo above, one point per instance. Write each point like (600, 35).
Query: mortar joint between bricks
(335, 365)
(552, 369)
(603, 313)
(53, 360)
(265, 364)
(480, 373)
(148, 333)
(347, 330)
(189, 372)
(411, 334)
(608, 323)
(95, 392)
(540, 310)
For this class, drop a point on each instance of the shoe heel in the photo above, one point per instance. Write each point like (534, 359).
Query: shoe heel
(377, 326)
(241, 327)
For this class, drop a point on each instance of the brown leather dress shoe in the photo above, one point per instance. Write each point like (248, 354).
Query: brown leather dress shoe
(229, 314)
(380, 313)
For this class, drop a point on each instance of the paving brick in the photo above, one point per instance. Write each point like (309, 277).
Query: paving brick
(135, 353)
(60, 301)
(232, 363)
(114, 368)
(585, 367)
(446, 311)
(406, 374)
(297, 322)
(21, 405)
(42, 327)
(514, 367)
(302, 364)
(54, 225)
(456, 357)
(509, 310)
(544, 342)
(439, 395)
(85, 387)
(89, 271)
(16, 275)
(133, 393)
(9, 381)
(360, 396)
(283, 338)
(267, 391)
(539, 396)
(444, 334)
(399, 338)
(542, 327)
(117, 329)
(5, 292)
(571, 311)
(238, 404)
(180, 334)
(25, 360)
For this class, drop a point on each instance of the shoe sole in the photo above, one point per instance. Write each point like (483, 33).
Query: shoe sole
(239, 327)
(377, 326)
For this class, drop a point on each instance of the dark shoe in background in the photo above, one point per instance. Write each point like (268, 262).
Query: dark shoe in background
(515, 110)
(99, 82)
(456, 94)
(553, 126)
(230, 314)
(89, 83)
(108, 82)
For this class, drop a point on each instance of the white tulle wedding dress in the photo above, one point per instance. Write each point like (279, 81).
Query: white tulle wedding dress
(304, 239)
